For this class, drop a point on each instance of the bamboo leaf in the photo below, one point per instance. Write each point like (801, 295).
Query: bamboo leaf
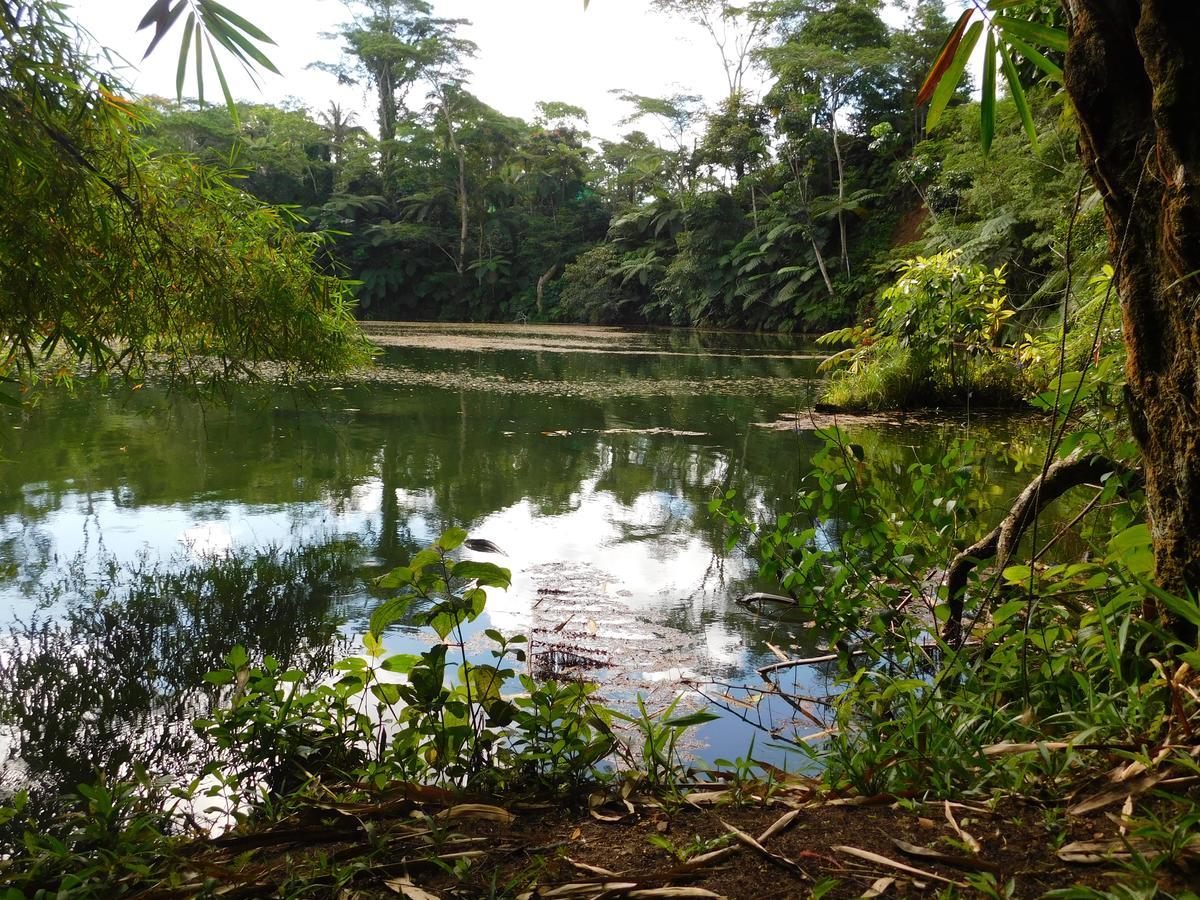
(224, 85)
(236, 21)
(233, 36)
(163, 17)
(181, 72)
(200, 65)
(987, 98)
(1051, 69)
(1035, 32)
(1018, 94)
(949, 82)
(945, 58)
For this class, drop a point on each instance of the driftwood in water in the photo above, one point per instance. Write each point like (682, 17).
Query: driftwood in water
(1077, 468)
(760, 597)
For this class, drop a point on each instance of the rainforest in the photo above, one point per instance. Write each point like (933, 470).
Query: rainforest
(777, 477)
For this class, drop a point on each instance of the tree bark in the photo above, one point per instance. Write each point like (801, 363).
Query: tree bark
(1133, 74)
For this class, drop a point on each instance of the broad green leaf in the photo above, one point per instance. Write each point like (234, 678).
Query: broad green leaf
(372, 644)
(987, 96)
(1017, 574)
(1137, 536)
(949, 83)
(451, 539)
(388, 613)
(424, 558)
(237, 657)
(484, 573)
(398, 577)
(443, 623)
(485, 684)
(401, 662)
(1018, 94)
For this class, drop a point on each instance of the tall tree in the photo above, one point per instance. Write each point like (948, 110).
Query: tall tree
(835, 55)
(394, 45)
(737, 32)
(1133, 74)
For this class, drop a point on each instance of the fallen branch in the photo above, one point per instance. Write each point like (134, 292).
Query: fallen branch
(1001, 542)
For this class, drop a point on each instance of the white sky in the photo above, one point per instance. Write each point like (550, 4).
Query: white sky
(529, 50)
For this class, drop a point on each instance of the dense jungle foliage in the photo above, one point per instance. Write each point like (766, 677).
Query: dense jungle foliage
(975, 653)
(783, 212)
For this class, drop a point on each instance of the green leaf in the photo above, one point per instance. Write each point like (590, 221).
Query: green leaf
(949, 82)
(181, 71)
(451, 539)
(424, 558)
(237, 21)
(388, 613)
(696, 718)
(1035, 32)
(237, 657)
(229, 104)
(443, 623)
(484, 573)
(1135, 537)
(987, 97)
(199, 67)
(485, 684)
(1018, 94)
(1050, 68)
(402, 663)
(427, 678)
(219, 677)
(397, 578)
(1017, 574)
(238, 44)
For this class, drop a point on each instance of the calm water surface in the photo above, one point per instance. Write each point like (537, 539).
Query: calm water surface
(587, 455)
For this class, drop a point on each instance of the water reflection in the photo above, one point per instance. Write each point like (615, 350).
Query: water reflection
(599, 500)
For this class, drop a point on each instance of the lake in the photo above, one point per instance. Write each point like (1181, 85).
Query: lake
(588, 455)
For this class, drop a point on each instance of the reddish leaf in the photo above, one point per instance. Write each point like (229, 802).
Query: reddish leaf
(944, 58)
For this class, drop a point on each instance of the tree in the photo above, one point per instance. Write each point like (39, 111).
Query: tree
(737, 32)
(119, 258)
(1133, 72)
(836, 58)
(341, 128)
(394, 45)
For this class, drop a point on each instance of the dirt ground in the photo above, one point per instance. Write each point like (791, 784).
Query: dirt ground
(782, 848)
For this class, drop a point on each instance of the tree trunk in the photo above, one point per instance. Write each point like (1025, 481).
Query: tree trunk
(460, 264)
(1133, 74)
(841, 180)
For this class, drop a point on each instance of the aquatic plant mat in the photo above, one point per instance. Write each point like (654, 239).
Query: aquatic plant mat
(746, 841)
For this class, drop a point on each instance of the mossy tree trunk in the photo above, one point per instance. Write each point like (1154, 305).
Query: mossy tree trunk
(1133, 73)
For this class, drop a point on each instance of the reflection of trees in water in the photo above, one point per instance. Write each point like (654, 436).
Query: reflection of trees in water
(110, 671)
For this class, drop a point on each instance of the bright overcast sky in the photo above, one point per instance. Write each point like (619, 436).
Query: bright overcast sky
(529, 50)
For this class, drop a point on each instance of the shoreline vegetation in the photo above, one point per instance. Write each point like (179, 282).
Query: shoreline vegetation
(1015, 707)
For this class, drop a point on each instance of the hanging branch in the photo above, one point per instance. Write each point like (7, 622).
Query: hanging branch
(1001, 542)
